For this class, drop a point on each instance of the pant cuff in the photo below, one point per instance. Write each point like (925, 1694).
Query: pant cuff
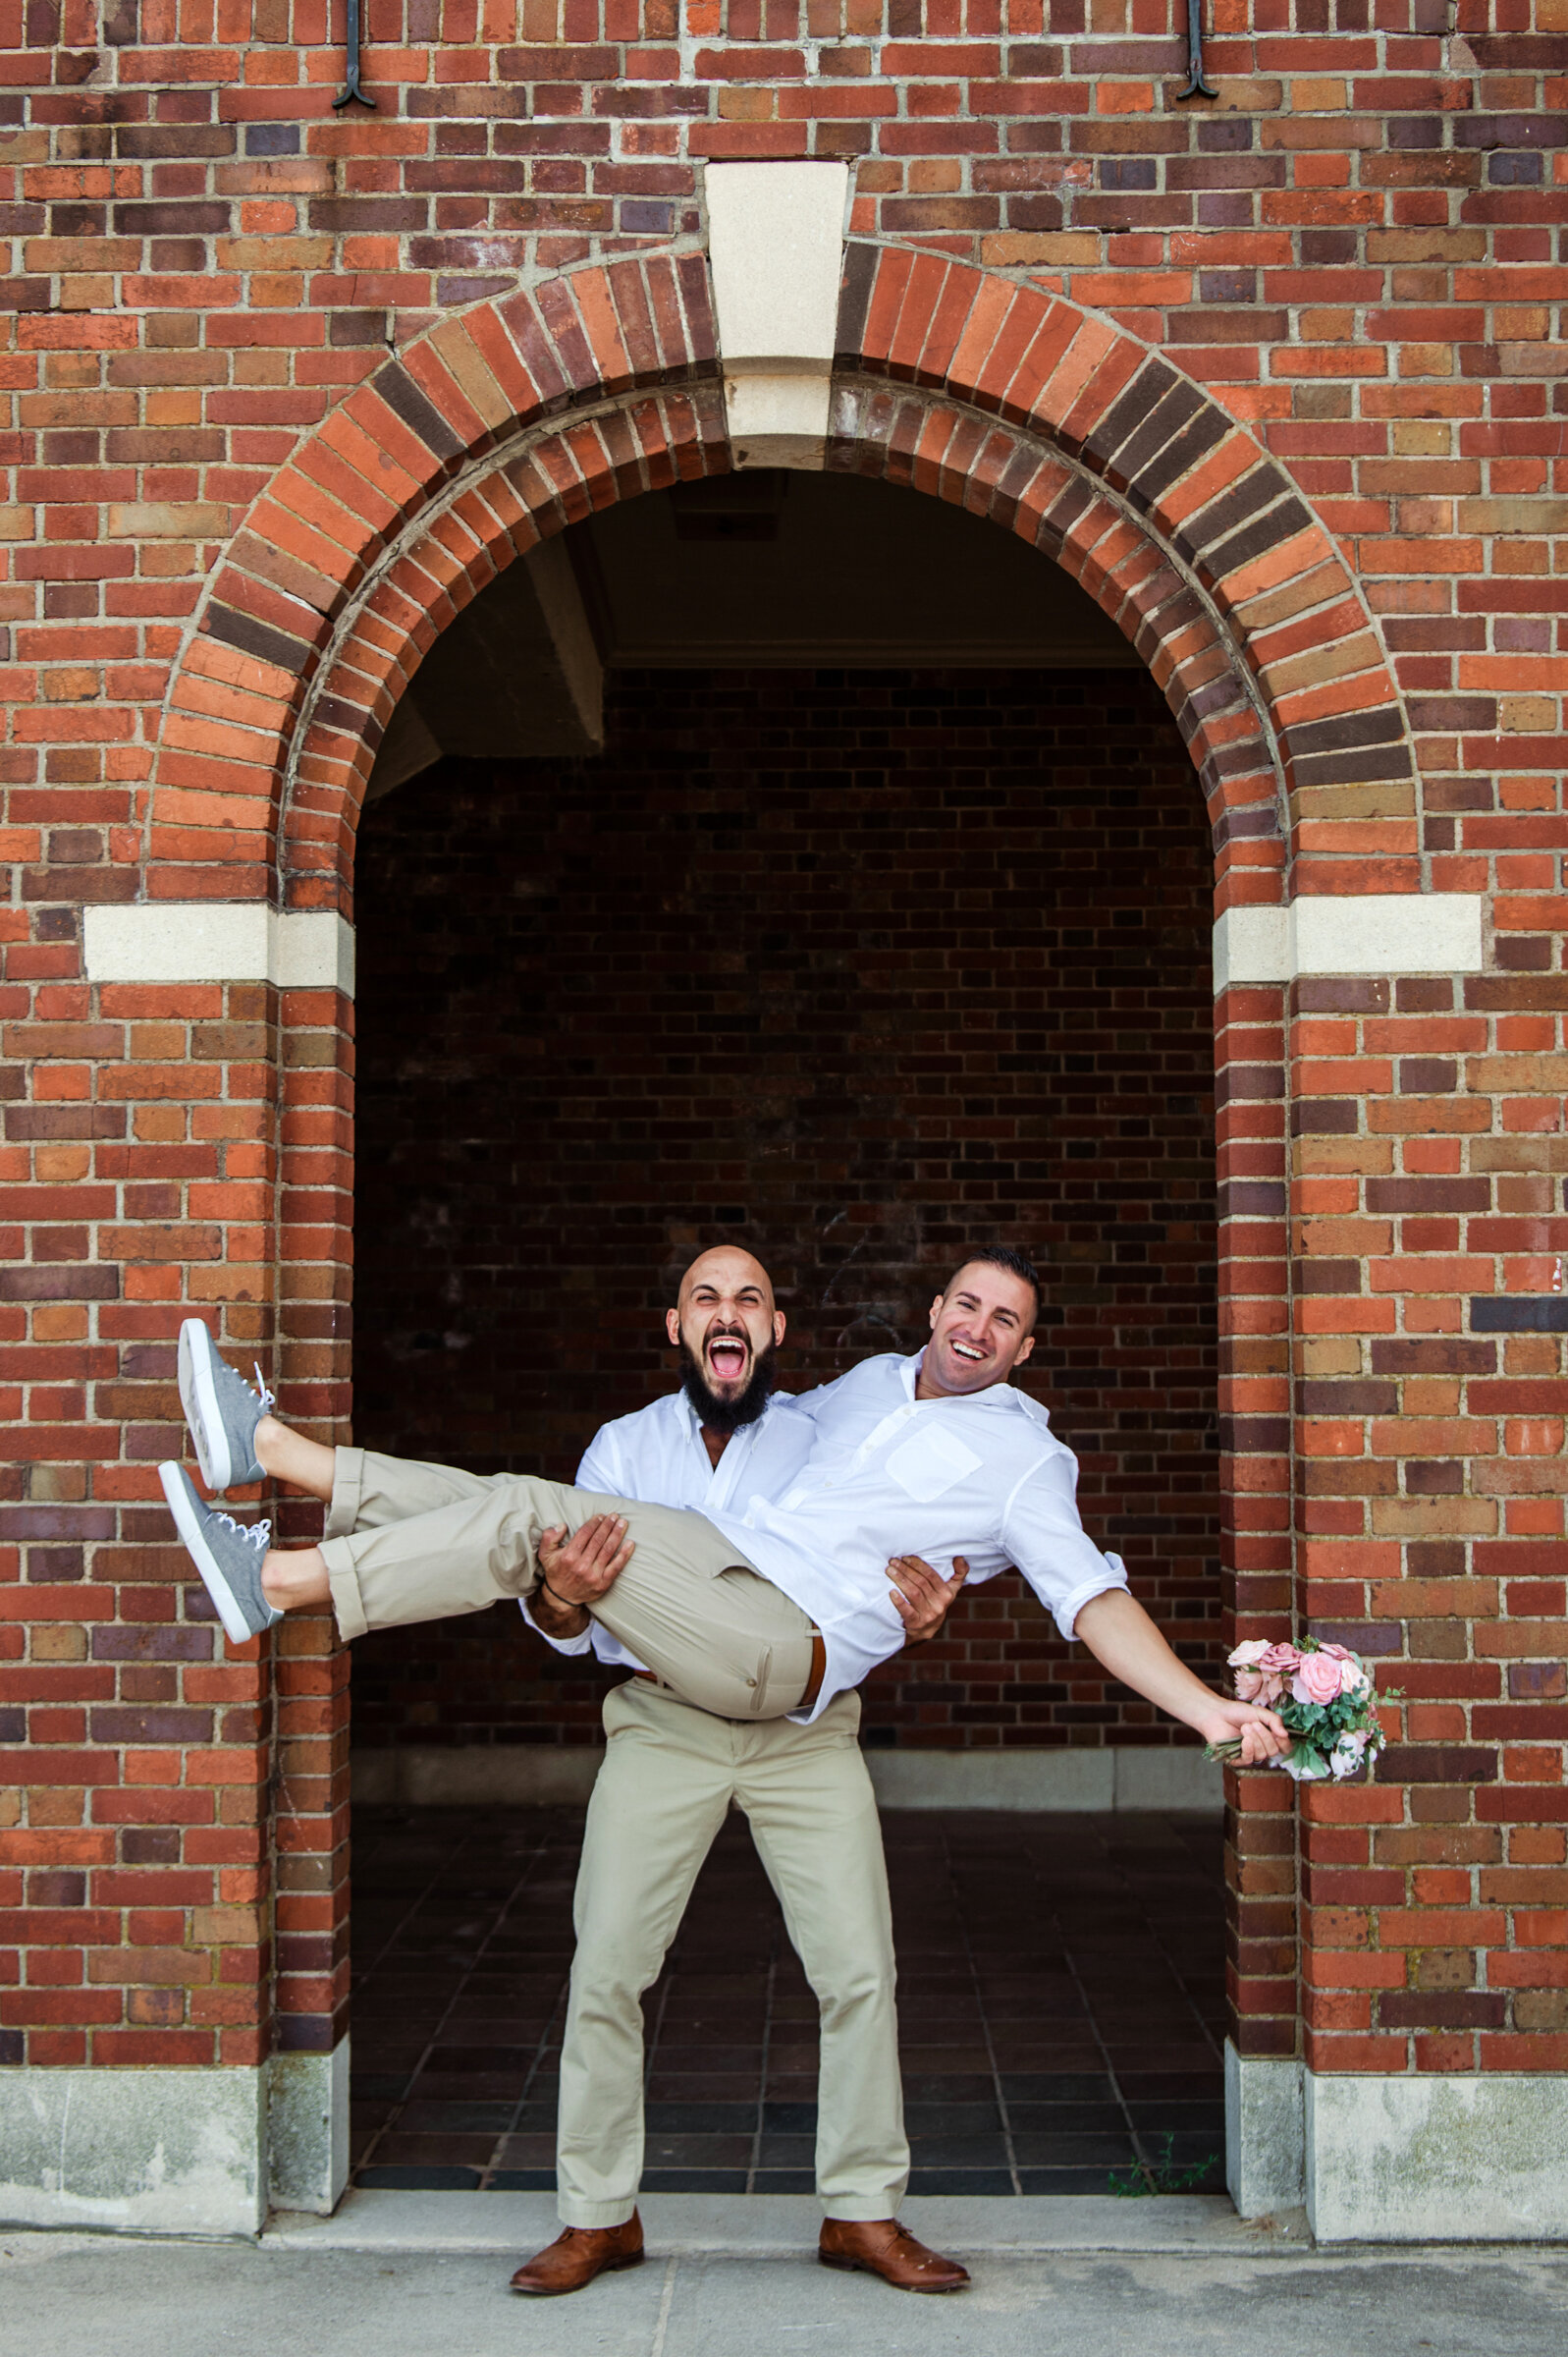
(862, 2210)
(347, 1491)
(573, 2212)
(347, 1603)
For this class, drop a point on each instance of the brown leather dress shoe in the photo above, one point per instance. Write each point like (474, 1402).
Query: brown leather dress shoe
(884, 2248)
(576, 2256)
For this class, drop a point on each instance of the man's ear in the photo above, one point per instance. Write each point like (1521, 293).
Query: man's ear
(777, 1328)
(673, 1324)
(935, 1310)
(1025, 1349)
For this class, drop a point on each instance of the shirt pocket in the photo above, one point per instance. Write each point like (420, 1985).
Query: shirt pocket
(930, 1463)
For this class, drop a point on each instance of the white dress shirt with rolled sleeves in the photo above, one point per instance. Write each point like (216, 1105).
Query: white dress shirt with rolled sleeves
(830, 1484)
(981, 1476)
(657, 1457)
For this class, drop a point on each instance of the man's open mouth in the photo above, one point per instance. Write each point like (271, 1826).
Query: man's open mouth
(976, 1358)
(726, 1358)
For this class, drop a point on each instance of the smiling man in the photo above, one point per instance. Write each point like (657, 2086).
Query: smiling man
(758, 1608)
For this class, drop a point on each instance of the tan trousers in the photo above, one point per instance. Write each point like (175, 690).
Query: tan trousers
(669, 1776)
(414, 1542)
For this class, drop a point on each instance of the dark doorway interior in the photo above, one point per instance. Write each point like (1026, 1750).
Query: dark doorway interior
(857, 966)
(695, 905)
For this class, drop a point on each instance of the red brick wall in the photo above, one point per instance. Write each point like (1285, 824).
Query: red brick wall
(860, 970)
(1353, 254)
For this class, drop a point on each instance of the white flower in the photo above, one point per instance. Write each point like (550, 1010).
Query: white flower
(1248, 1656)
(1347, 1755)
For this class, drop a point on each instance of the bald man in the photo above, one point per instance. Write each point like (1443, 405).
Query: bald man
(723, 1443)
(672, 1772)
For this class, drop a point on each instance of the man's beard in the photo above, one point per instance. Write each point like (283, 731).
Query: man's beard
(727, 1415)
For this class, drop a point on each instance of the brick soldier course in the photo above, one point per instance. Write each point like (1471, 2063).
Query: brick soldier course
(1276, 378)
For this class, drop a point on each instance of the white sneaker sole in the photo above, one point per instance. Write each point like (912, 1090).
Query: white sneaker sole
(198, 1396)
(187, 1522)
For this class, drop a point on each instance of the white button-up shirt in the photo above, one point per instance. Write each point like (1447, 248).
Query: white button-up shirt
(980, 1476)
(854, 1473)
(657, 1457)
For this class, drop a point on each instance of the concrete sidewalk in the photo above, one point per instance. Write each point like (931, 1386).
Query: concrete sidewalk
(1192, 2287)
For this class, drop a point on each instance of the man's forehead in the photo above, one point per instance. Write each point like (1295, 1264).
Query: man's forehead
(727, 1269)
(983, 1276)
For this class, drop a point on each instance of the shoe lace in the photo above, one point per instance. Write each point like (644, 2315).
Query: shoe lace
(254, 1534)
(267, 1398)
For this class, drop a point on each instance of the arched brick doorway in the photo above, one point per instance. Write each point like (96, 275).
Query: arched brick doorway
(509, 423)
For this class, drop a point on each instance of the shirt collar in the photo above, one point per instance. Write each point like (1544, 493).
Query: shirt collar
(1003, 1396)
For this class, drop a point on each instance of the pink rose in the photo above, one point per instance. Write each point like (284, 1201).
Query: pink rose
(1353, 1677)
(1249, 1683)
(1279, 1661)
(1317, 1679)
(1248, 1656)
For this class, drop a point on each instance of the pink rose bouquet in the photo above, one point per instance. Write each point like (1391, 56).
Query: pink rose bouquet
(1323, 1694)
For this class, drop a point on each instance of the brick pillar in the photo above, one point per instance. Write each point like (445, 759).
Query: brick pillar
(1261, 1876)
(310, 1831)
(134, 1837)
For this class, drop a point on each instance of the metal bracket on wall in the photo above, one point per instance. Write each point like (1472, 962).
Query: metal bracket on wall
(351, 87)
(1198, 86)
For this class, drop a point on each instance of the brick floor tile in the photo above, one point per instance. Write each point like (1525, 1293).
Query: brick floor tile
(1051, 2038)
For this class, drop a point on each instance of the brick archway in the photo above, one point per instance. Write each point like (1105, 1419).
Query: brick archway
(521, 415)
(507, 423)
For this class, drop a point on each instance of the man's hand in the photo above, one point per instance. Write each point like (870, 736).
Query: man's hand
(581, 1569)
(1120, 1634)
(922, 1597)
(1263, 1736)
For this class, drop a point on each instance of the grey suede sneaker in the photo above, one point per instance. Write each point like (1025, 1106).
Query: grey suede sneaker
(228, 1555)
(222, 1411)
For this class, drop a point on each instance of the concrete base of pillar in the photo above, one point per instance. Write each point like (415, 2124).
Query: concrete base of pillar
(1479, 2157)
(171, 2151)
(524, 1775)
(1265, 2137)
(149, 2151)
(307, 2129)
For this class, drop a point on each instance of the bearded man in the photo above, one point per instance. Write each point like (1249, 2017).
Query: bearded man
(671, 1773)
(724, 1440)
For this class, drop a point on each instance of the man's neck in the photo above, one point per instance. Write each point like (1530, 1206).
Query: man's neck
(925, 1388)
(716, 1443)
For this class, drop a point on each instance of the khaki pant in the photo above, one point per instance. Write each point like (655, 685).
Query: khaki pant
(669, 1776)
(414, 1542)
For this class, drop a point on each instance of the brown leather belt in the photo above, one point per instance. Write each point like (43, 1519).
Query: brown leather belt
(819, 1670)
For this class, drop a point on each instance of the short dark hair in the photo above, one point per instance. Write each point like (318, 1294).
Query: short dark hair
(1000, 1257)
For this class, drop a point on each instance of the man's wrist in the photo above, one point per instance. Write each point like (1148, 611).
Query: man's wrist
(558, 1613)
